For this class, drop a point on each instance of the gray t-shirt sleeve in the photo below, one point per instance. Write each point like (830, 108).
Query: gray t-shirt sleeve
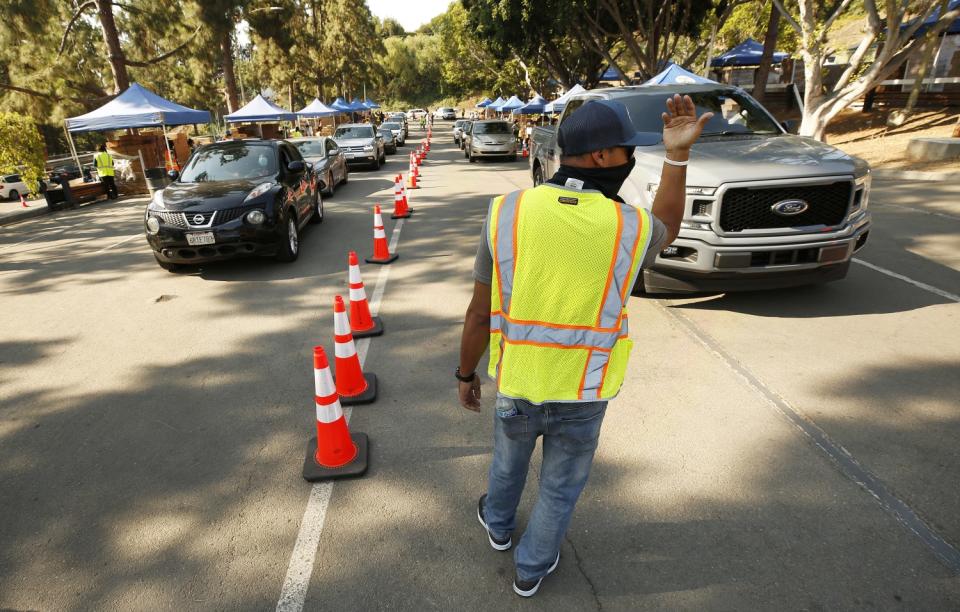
(658, 240)
(483, 264)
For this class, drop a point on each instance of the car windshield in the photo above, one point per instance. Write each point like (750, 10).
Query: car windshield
(385, 132)
(391, 126)
(733, 113)
(359, 131)
(492, 128)
(229, 162)
(310, 148)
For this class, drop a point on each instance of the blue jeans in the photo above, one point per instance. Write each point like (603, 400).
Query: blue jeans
(570, 432)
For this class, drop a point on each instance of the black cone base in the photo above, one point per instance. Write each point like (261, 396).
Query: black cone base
(313, 471)
(376, 330)
(409, 212)
(367, 397)
(390, 259)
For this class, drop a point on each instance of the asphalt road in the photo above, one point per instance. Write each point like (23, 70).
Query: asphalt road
(152, 425)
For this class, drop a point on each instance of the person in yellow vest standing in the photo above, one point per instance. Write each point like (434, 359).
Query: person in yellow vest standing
(104, 163)
(555, 267)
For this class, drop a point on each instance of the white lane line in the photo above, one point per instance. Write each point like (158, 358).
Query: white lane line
(293, 594)
(907, 279)
(840, 456)
(116, 244)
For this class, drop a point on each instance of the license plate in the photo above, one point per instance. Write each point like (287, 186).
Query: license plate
(200, 238)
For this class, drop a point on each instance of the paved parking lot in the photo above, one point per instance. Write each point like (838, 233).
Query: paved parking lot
(777, 450)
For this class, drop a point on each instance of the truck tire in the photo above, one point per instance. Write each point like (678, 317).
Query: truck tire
(537, 175)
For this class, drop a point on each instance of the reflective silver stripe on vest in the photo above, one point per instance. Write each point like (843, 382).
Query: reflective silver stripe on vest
(613, 304)
(594, 377)
(531, 332)
(504, 236)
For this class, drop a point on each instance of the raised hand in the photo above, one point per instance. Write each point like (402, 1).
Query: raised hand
(681, 127)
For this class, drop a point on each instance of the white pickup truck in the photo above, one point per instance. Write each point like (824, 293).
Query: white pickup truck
(765, 209)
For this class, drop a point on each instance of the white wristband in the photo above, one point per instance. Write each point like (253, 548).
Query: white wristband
(675, 163)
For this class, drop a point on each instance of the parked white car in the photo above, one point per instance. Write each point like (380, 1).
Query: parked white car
(11, 187)
(416, 113)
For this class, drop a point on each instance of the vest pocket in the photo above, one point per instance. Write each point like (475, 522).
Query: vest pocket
(616, 367)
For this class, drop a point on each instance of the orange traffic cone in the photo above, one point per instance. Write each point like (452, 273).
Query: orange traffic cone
(381, 251)
(23, 201)
(400, 208)
(412, 180)
(353, 385)
(526, 151)
(334, 453)
(362, 325)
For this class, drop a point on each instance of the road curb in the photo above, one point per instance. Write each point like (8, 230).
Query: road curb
(915, 175)
(23, 215)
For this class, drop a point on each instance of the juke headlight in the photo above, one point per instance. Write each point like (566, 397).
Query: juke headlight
(153, 225)
(256, 217)
(258, 191)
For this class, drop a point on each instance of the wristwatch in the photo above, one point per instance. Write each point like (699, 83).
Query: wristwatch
(462, 378)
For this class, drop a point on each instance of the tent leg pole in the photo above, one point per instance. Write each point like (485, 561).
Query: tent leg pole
(73, 149)
(166, 142)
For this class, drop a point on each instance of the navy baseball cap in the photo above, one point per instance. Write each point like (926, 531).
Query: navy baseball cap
(601, 124)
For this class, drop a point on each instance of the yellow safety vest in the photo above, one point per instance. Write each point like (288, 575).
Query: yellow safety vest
(564, 263)
(104, 162)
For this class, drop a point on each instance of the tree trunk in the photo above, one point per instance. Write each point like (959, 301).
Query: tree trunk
(769, 43)
(118, 65)
(229, 76)
(926, 58)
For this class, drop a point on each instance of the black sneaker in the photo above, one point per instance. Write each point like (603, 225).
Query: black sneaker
(503, 544)
(528, 588)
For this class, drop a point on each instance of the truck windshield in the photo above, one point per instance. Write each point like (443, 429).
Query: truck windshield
(733, 113)
(492, 128)
(229, 162)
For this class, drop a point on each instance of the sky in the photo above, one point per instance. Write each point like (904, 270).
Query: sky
(410, 13)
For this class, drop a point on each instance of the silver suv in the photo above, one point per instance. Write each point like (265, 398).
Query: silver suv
(361, 144)
(490, 138)
(764, 208)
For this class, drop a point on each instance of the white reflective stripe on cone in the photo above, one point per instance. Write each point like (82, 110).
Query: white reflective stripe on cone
(341, 324)
(329, 413)
(358, 295)
(355, 274)
(379, 233)
(344, 349)
(323, 383)
(377, 220)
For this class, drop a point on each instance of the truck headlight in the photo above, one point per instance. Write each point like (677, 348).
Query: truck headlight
(153, 225)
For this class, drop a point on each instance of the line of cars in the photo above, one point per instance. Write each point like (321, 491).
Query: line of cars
(254, 196)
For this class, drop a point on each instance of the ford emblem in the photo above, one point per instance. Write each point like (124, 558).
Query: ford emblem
(198, 219)
(790, 208)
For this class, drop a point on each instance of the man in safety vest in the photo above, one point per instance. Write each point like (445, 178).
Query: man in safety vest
(104, 164)
(553, 273)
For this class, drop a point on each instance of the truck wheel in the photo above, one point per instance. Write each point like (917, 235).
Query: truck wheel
(537, 175)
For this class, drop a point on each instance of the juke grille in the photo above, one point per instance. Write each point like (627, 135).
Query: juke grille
(185, 220)
(745, 208)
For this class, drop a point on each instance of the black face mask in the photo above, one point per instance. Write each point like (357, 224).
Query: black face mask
(607, 181)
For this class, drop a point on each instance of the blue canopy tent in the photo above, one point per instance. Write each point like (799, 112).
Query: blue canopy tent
(370, 103)
(341, 105)
(316, 109)
(954, 27)
(746, 53)
(534, 107)
(357, 106)
(512, 104)
(557, 105)
(495, 105)
(137, 107)
(484, 103)
(674, 74)
(610, 74)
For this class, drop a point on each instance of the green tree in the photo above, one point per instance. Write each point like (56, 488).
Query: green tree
(21, 149)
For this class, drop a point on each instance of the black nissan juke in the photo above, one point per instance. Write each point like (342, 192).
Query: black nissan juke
(235, 198)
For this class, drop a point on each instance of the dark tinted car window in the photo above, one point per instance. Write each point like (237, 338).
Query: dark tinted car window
(292, 153)
(354, 132)
(310, 148)
(492, 128)
(391, 126)
(229, 162)
(332, 146)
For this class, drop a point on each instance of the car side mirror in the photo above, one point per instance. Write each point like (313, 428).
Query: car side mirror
(173, 174)
(296, 167)
(790, 125)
